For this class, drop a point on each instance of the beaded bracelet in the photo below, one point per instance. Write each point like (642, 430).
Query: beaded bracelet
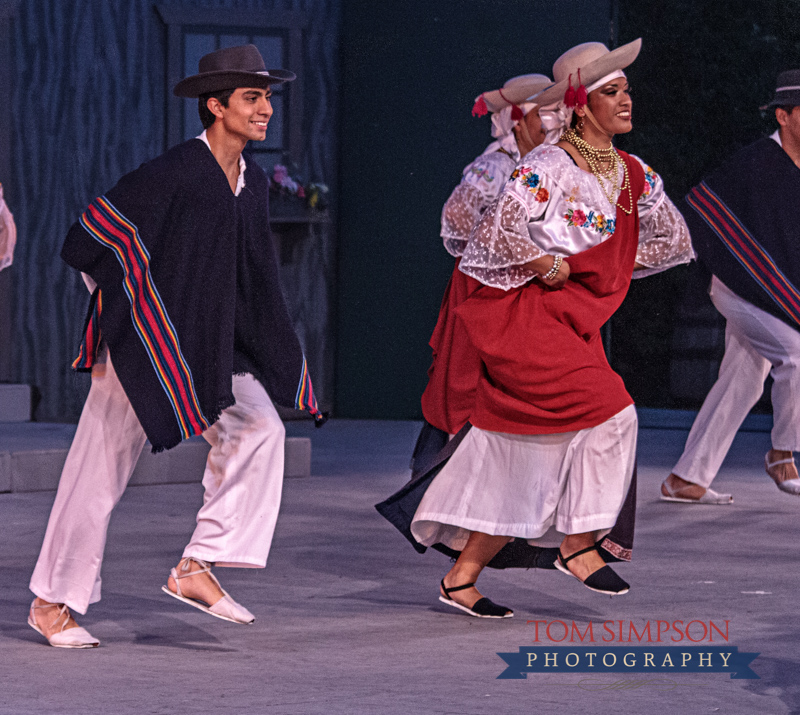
(553, 272)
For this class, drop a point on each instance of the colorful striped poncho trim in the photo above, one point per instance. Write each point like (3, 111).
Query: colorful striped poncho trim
(739, 218)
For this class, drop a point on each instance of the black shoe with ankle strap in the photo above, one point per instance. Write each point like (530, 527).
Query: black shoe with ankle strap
(482, 608)
(604, 580)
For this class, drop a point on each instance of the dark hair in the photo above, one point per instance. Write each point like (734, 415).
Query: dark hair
(206, 116)
(787, 107)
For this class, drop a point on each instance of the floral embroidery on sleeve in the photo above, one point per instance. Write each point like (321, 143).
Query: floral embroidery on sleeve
(650, 179)
(528, 178)
(593, 221)
(542, 195)
(482, 173)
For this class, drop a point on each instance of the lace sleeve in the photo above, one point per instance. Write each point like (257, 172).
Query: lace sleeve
(500, 245)
(459, 216)
(664, 240)
(653, 193)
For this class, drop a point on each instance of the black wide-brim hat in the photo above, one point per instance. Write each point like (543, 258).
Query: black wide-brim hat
(787, 90)
(230, 68)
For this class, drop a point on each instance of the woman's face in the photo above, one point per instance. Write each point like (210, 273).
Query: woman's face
(533, 122)
(611, 106)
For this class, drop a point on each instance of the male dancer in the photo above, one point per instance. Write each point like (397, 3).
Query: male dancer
(194, 337)
(739, 229)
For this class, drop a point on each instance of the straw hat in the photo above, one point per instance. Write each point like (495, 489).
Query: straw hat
(513, 93)
(586, 64)
(232, 67)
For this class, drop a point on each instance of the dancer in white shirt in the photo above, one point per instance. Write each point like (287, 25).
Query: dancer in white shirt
(754, 260)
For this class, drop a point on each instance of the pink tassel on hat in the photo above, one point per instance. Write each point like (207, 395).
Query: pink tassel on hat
(581, 97)
(569, 95)
(480, 109)
(516, 113)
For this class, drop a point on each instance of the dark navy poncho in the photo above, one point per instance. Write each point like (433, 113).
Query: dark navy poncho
(744, 230)
(188, 292)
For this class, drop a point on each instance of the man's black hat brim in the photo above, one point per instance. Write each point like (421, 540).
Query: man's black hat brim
(220, 80)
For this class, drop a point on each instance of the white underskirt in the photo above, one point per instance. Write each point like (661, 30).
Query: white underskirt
(534, 487)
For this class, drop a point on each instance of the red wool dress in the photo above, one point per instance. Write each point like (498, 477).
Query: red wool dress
(544, 368)
(544, 377)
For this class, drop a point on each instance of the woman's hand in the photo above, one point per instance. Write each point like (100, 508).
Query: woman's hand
(542, 266)
(557, 282)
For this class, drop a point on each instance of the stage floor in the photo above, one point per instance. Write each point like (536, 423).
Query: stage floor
(348, 619)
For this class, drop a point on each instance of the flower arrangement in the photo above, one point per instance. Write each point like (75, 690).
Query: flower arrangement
(314, 194)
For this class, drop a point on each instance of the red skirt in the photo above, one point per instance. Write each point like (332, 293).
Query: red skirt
(453, 376)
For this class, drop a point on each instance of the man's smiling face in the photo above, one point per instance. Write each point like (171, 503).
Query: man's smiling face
(247, 114)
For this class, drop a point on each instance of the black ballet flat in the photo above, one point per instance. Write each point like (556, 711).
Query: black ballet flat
(604, 580)
(482, 608)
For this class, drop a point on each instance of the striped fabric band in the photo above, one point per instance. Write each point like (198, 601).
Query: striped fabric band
(305, 399)
(150, 320)
(87, 354)
(744, 247)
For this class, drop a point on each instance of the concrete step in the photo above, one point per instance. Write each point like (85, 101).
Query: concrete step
(15, 402)
(32, 456)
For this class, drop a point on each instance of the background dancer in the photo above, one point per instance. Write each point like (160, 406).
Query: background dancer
(452, 377)
(551, 454)
(189, 309)
(753, 253)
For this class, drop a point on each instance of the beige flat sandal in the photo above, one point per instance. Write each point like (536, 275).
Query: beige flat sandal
(65, 637)
(790, 486)
(226, 608)
(710, 496)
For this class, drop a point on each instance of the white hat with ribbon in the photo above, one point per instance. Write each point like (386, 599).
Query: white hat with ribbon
(585, 68)
(511, 102)
(577, 72)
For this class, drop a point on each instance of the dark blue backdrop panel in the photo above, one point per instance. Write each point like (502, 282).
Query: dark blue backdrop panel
(410, 72)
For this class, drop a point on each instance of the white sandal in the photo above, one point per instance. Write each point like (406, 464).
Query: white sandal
(71, 637)
(226, 608)
(710, 496)
(790, 486)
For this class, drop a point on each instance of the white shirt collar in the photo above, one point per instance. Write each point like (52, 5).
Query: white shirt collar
(242, 166)
(777, 137)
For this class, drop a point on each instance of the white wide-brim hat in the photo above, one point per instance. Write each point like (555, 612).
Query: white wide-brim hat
(514, 92)
(594, 61)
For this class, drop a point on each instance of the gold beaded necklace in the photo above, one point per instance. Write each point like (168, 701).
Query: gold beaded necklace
(605, 165)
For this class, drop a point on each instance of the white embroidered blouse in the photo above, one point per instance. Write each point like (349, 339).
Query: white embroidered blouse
(550, 206)
(481, 183)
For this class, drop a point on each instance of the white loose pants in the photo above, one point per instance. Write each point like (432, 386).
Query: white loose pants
(242, 481)
(756, 344)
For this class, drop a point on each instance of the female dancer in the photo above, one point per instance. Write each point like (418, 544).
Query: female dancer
(552, 448)
(517, 129)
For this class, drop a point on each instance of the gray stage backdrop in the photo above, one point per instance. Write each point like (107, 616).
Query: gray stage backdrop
(88, 101)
